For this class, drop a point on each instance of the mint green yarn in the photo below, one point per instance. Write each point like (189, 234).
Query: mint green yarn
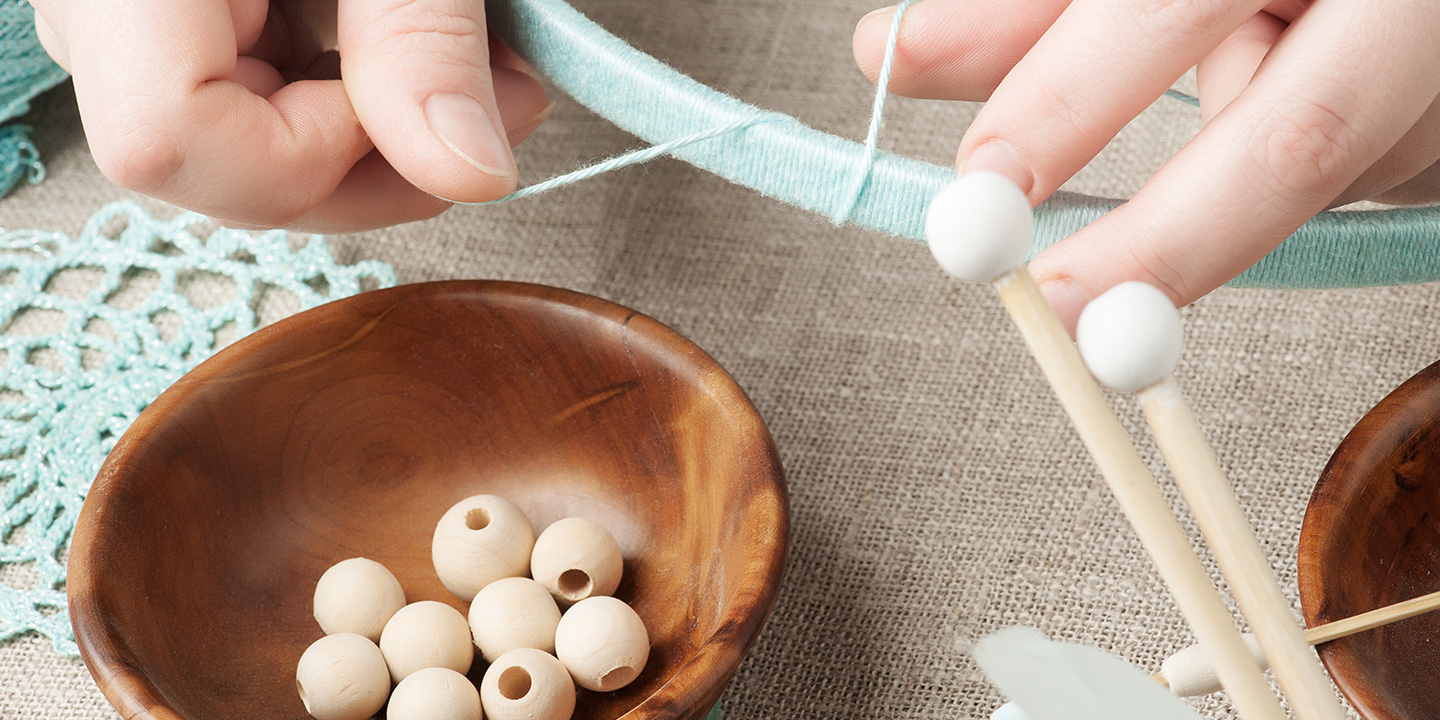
(25, 71)
(786, 160)
(59, 418)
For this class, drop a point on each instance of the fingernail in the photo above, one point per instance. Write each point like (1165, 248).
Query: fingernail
(876, 13)
(999, 156)
(464, 126)
(1067, 298)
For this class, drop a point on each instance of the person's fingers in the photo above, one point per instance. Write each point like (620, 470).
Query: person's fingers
(952, 49)
(418, 74)
(1098, 66)
(165, 116)
(1415, 153)
(1224, 73)
(501, 55)
(1422, 189)
(1321, 109)
(285, 39)
(47, 16)
(522, 101)
(374, 195)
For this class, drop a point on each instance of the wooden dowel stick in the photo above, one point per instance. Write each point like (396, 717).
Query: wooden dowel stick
(1139, 497)
(1237, 551)
(1372, 619)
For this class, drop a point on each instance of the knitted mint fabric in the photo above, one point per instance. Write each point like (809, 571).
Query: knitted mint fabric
(25, 71)
(80, 365)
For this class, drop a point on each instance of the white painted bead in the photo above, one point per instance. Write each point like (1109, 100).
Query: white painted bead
(1009, 711)
(1130, 336)
(342, 677)
(603, 643)
(434, 694)
(357, 596)
(426, 634)
(1190, 672)
(980, 226)
(527, 684)
(480, 540)
(576, 558)
(513, 613)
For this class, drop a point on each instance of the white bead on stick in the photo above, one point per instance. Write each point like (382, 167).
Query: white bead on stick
(434, 693)
(342, 677)
(427, 634)
(527, 684)
(513, 613)
(480, 540)
(980, 228)
(1131, 338)
(576, 558)
(1189, 671)
(357, 595)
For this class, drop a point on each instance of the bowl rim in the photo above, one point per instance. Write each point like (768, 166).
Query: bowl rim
(130, 692)
(1353, 463)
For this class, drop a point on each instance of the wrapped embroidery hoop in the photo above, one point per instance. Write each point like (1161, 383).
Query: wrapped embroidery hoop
(780, 157)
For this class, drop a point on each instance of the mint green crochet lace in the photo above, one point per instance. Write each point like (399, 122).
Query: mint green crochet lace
(73, 383)
(25, 71)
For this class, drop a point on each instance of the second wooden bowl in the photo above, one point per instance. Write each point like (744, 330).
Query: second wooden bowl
(349, 429)
(1371, 538)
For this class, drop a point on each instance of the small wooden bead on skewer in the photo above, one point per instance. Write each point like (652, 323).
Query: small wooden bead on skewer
(980, 228)
(434, 693)
(527, 684)
(1131, 338)
(513, 613)
(1189, 671)
(427, 634)
(357, 595)
(480, 540)
(603, 643)
(342, 677)
(576, 558)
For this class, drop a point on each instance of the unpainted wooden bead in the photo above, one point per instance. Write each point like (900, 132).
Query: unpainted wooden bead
(434, 694)
(357, 596)
(603, 643)
(426, 634)
(527, 684)
(342, 677)
(575, 559)
(480, 540)
(513, 613)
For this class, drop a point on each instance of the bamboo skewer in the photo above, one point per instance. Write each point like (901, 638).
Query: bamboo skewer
(976, 231)
(1188, 672)
(1134, 328)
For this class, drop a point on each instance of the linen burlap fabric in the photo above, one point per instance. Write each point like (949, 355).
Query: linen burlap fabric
(938, 493)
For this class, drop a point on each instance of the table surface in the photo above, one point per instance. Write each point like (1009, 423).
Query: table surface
(938, 493)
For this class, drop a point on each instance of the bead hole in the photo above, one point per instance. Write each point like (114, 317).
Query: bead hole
(617, 678)
(300, 688)
(514, 683)
(575, 584)
(477, 519)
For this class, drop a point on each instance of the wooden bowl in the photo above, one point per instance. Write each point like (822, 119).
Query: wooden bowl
(1371, 538)
(348, 430)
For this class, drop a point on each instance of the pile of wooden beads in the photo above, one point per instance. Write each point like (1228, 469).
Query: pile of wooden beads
(485, 551)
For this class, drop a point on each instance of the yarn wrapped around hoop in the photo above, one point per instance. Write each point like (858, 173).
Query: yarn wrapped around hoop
(784, 159)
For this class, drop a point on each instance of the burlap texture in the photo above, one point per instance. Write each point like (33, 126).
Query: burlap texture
(938, 492)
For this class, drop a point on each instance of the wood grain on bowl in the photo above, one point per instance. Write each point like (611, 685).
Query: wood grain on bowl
(348, 430)
(1371, 537)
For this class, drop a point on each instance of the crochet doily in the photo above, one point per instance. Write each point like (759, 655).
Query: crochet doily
(92, 329)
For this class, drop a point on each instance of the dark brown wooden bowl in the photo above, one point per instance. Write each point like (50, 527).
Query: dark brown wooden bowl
(1371, 538)
(349, 429)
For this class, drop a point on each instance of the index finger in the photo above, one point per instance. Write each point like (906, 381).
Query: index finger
(1098, 66)
(165, 117)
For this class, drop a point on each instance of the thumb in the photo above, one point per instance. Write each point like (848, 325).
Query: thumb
(418, 75)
